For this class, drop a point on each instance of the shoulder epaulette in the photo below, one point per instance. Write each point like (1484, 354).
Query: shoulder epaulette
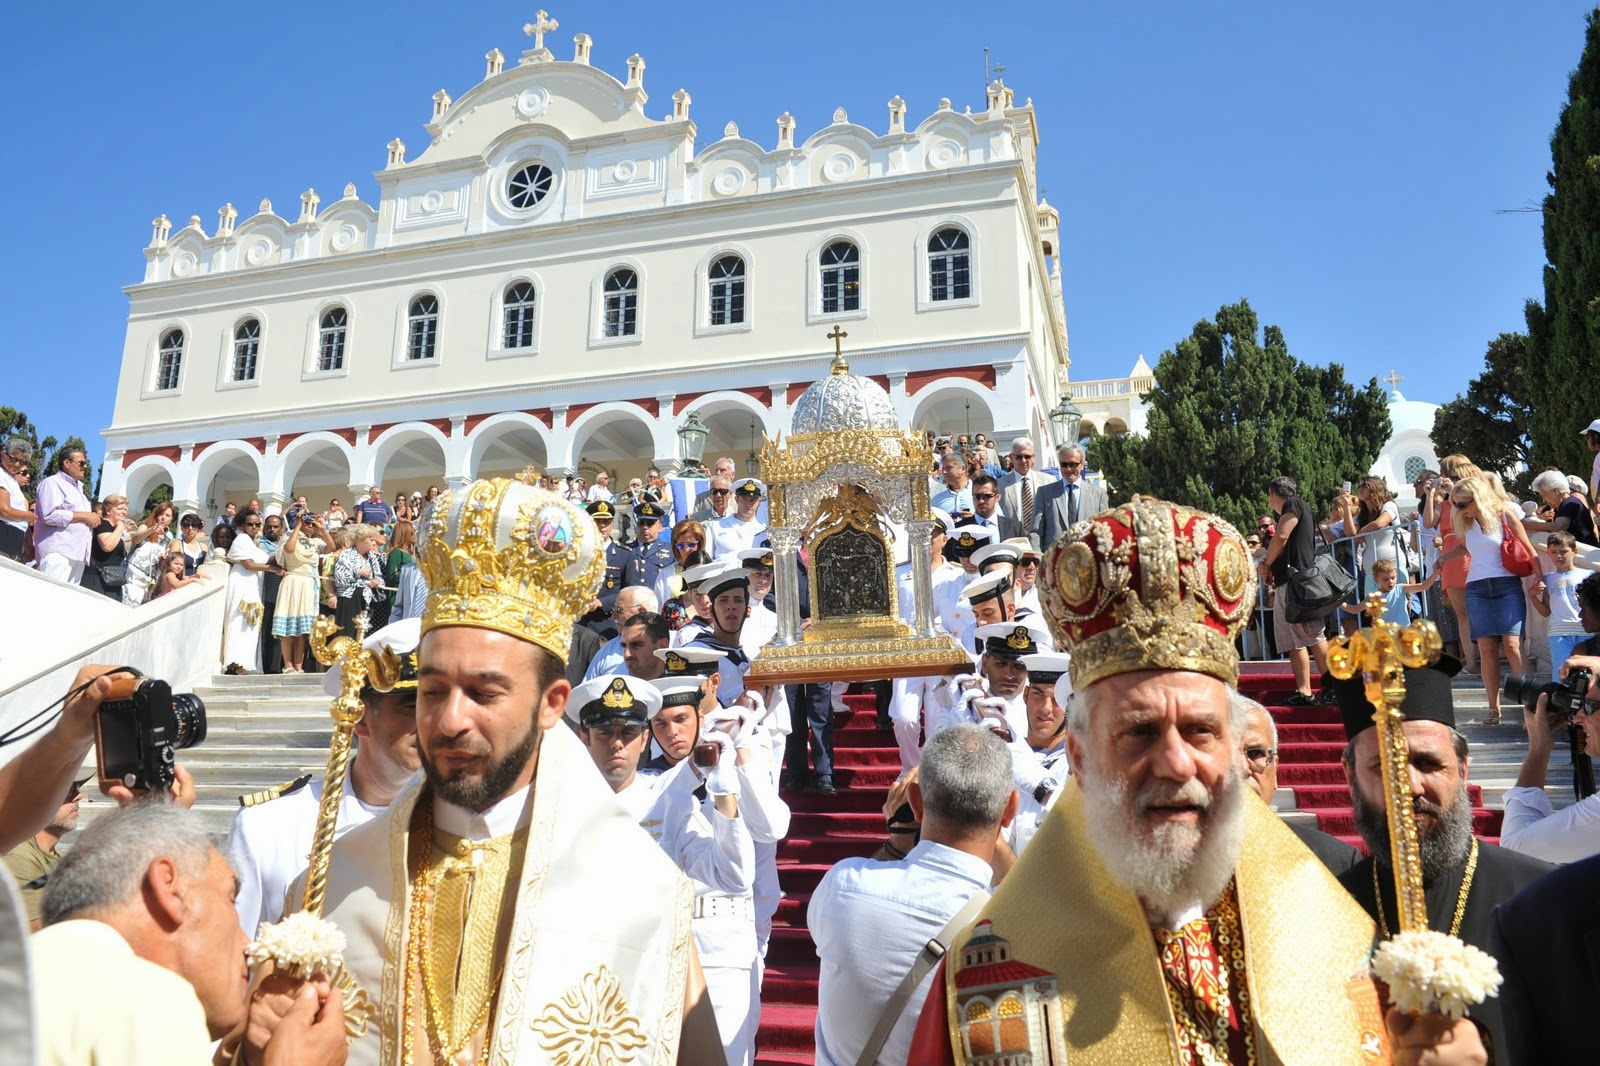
(250, 799)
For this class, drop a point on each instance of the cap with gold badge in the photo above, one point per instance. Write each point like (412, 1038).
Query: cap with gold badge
(689, 662)
(613, 699)
(601, 511)
(1013, 640)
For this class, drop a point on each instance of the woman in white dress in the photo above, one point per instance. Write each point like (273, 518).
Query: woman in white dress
(241, 629)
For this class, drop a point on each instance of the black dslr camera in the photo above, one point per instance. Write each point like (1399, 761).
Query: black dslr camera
(1566, 697)
(140, 728)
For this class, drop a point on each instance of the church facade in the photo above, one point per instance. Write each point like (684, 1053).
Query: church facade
(560, 279)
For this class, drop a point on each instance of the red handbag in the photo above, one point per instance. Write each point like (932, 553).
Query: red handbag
(1513, 556)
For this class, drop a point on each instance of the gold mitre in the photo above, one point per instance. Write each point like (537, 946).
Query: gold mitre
(504, 554)
(1149, 585)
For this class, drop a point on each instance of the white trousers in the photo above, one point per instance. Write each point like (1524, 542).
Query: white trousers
(61, 568)
(736, 1001)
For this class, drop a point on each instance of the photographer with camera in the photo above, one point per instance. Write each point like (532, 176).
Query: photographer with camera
(1531, 825)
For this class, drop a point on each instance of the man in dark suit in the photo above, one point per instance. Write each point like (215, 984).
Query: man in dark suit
(986, 510)
(1549, 954)
(1061, 503)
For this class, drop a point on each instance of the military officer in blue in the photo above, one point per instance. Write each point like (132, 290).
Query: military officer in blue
(622, 569)
(652, 554)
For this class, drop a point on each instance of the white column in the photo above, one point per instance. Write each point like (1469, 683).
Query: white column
(920, 533)
(786, 583)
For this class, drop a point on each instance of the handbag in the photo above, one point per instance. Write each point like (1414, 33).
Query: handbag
(113, 575)
(1317, 590)
(1513, 555)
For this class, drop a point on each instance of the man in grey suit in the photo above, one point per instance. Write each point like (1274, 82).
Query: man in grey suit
(1064, 502)
(1019, 490)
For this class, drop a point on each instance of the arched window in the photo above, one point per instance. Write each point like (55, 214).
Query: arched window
(949, 265)
(246, 347)
(330, 339)
(518, 320)
(422, 328)
(170, 362)
(727, 291)
(621, 303)
(841, 278)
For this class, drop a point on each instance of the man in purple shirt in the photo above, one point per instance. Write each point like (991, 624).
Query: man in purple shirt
(374, 511)
(66, 521)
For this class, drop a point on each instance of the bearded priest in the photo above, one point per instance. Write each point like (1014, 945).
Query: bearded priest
(464, 903)
(1137, 928)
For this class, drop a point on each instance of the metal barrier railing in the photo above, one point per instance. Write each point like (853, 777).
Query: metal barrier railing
(1257, 643)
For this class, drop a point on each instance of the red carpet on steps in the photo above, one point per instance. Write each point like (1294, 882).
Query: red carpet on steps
(866, 761)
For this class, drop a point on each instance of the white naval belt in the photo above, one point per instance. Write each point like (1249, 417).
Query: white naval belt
(724, 907)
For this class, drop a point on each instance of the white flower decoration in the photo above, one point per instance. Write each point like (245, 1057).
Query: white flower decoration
(1431, 973)
(301, 944)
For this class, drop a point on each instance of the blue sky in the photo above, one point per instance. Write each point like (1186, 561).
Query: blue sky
(1340, 165)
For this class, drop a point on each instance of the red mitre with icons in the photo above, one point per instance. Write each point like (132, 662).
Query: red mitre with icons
(1149, 585)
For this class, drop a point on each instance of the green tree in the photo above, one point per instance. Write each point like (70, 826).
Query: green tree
(1489, 424)
(1564, 333)
(15, 423)
(1232, 409)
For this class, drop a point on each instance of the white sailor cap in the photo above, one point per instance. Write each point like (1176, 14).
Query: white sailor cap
(757, 560)
(613, 699)
(985, 588)
(964, 540)
(1014, 639)
(1024, 547)
(682, 691)
(723, 580)
(749, 486)
(941, 516)
(1046, 668)
(996, 553)
(689, 661)
(403, 637)
(696, 574)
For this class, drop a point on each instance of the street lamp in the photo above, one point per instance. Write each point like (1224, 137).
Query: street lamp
(1067, 418)
(692, 440)
(752, 462)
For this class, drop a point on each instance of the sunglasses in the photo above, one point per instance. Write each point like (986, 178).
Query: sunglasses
(1260, 756)
(983, 495)
(720, 492)
(1069, 465)
(688, 545)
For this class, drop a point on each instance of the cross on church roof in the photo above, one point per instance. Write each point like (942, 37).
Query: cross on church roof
(840, 366)
(1393, 380)
(542, 24)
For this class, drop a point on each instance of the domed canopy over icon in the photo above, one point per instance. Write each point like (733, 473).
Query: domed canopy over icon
(843, 400)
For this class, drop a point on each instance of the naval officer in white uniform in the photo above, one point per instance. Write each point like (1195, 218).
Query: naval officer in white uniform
(270, 842)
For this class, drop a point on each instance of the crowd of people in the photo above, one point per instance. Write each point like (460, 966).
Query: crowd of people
(1090, 769)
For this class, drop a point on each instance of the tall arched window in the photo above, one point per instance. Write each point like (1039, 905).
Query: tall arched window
(949, 265)
(330, 339)
(727, 291)
(518, 318)
(621, 304)
(841, 278)
(170, 362)
(246, 347)
(422, 328)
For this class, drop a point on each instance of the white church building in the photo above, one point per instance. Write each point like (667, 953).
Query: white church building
(562, 275)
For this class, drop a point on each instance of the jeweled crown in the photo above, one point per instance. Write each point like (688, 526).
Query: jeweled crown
(504, 554)
(1149, 585)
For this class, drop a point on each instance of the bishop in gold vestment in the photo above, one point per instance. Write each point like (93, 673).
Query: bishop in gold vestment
(505, 909)
(1162, 914)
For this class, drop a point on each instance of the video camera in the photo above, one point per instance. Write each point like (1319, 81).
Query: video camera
(141, 726)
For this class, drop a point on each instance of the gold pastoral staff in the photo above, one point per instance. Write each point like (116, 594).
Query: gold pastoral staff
(360, 668)
(1380, 655)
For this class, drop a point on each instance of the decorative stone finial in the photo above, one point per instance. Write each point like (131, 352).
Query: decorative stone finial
(635, 71)
(265, 207)
(944, 103)
(581, 45)
(542, 24)
(226, 217)
(839, 116)
(194, 222)
(680, 104)
(161, 226)
(308, 205)
(496, 63)
(441, 104)
(730, 130)
(785, 131)
(1000, 96)
(397, 153)
(897, 115)
(349, 190)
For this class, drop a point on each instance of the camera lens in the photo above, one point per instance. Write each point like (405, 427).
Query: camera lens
(189, 714)
(1522, 688)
